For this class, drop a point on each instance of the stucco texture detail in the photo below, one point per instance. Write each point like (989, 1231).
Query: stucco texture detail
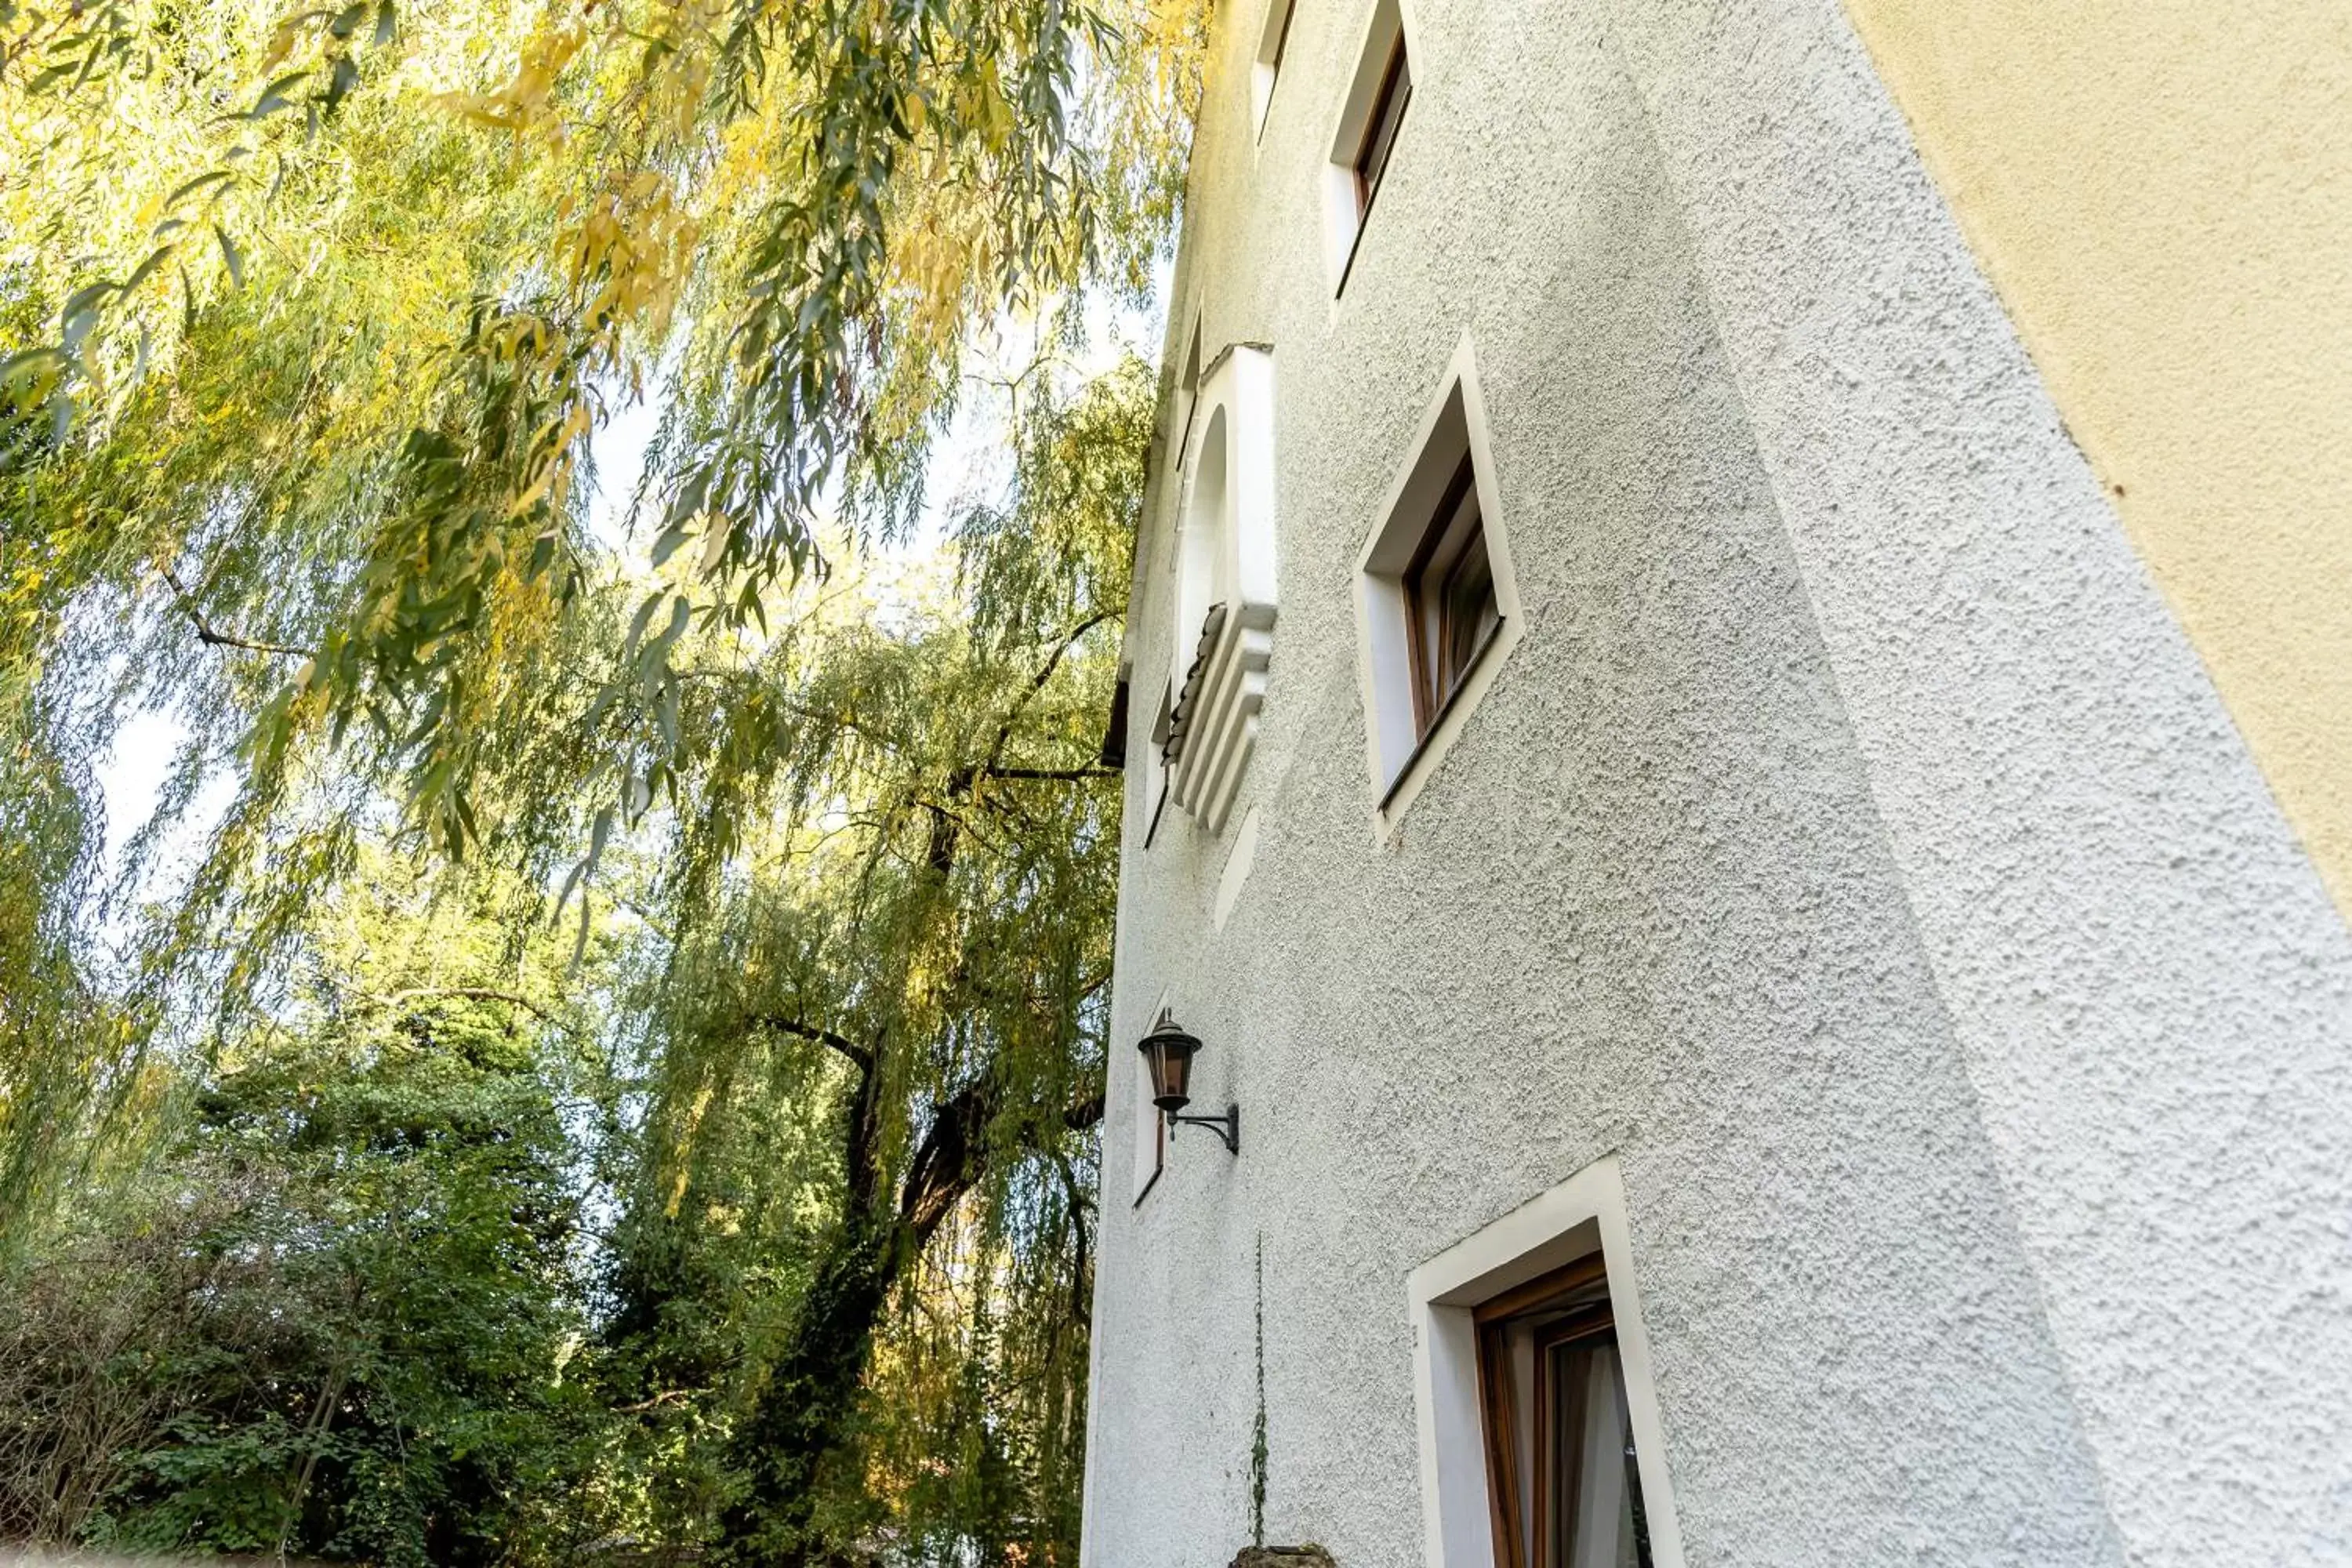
(2161, 191)
(1854, 845)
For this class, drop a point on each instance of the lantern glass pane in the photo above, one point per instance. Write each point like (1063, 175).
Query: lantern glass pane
(1170, 1057)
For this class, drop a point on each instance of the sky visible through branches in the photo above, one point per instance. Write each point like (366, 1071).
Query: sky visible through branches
(561, 578)
(967, 458)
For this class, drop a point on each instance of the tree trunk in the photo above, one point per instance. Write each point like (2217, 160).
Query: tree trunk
(803, 1413)
(801, 1416)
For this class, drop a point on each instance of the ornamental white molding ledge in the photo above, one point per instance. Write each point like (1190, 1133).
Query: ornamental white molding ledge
(1225, 585)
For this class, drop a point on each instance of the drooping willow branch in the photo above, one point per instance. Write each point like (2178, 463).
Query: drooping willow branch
(213, 636)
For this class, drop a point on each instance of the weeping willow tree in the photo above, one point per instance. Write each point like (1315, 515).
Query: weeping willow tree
(309, 322)
(891, 991)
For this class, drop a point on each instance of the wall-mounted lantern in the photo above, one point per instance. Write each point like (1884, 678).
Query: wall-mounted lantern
(1168, 1053)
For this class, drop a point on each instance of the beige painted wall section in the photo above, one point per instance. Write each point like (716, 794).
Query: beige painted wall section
(2161, 191)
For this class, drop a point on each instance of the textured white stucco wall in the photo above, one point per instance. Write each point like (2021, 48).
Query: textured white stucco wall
(1852, 845)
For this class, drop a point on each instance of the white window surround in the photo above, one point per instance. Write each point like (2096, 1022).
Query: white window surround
(1239, 860)
(1188, 387)
(1153, 770)
(1279, 14)
(1583, 1215)
(1225, 557)
(1343, 222)
(1400, 758)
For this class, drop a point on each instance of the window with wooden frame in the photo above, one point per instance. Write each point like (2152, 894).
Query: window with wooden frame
(1439, 610)
(1563, 1479)
(1272, 46)
(1381, 125)
(1449, 590)
(1364, 140)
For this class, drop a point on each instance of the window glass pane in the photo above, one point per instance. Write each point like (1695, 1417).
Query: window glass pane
(1565, 1486)
(1432, 673)
(1469, 611)
(1449, 597)
(1388, 111)
(1595, 1489)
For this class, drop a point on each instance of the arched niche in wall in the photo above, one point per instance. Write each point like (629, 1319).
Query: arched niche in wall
(1225, 585)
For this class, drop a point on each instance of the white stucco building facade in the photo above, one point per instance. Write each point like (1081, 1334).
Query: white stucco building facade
(1824, 896)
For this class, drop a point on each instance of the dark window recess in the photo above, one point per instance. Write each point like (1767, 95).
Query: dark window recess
(1381, 125)
(1449, 592)
(1113, 742)
(1560, 1470)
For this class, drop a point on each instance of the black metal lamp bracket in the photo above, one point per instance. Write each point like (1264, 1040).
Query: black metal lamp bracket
(1228, 1126)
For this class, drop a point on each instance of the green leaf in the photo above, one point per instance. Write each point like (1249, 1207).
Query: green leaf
(645, 616)
(146, 268)
(85, 300)
(657, 651)
(275, 96)
(338, 85)
(215, 177)
(24, 361)
(668, 544)
(231, 256)
(666, 712)
(690, 496)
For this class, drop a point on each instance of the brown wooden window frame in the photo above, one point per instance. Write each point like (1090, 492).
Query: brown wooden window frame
(1590, 1323)
(1438, 672)
(1265, 71)
(1281, 47)
(1375, 149)
(1403, 745)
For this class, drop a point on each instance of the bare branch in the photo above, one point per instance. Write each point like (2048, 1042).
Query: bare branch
(1067, 774)
(1037, 683)
(667, 1396)
(953, 1154)
(946, 829)
(858, 1054)
(212, 637)
(949, 1160)
(465, 992)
